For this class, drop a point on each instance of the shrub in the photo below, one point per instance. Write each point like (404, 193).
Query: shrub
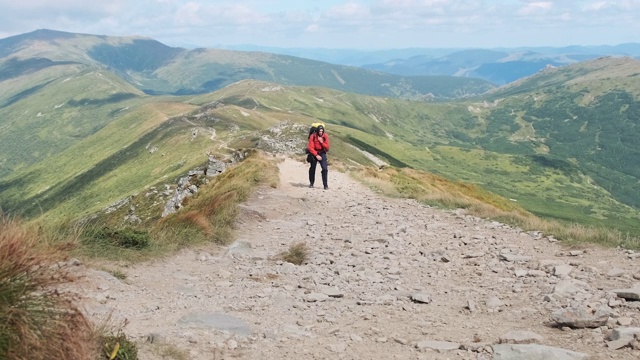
(297, 253)
(127, 237)
(118, 347)
(37, 321)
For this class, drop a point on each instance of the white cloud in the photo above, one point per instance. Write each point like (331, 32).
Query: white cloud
(536, 8)
(382, 23)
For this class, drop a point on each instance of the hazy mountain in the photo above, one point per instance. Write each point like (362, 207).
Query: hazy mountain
(499, 65)
(156, 68)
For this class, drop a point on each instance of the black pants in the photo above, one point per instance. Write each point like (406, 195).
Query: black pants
(323, 165)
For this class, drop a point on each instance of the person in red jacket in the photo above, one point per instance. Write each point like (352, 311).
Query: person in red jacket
(318, 147)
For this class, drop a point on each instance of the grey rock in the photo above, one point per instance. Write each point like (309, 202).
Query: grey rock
(615, 272)
(514, 257)
(216, 321)
(239, 248)
(568, 288)
(521, 273)
(494, 302)
(421, 298)
(624, 333)
(316, 297)
(520, 337)
(562, 270)
(534, 352)
(333, 292)
(437, 345)
(581, 317)
(618, 344)
(629, 294)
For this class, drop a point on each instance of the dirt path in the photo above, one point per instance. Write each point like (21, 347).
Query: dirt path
(386, 279)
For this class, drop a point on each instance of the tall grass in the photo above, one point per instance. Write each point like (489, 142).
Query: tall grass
(37, 320)
(437, 191)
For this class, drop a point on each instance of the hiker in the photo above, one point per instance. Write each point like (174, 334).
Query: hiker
(318, 148)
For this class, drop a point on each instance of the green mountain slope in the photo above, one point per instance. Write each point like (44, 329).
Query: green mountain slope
(446, 139)
(57, 88)
(585, 117)
(560, 143)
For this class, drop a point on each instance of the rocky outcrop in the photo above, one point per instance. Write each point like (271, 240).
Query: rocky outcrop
(188, 185)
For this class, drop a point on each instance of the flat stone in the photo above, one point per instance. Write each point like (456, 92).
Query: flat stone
(581, 317)
(334, 293)
(534, 352)
(239, 248)
(624, 333)
(618, 344)
(217, 321)
(520, 337)
(562, 270)
(521, 273)
(514, 258)
(421, 298)
(494, 303)
(624, 321)
(437, 345)
(629, 294)
(316, 297)
(615, 272)
(569, 287)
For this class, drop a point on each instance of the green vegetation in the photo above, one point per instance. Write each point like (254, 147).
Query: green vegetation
(118, 347)
(560, 144)
(127, 237)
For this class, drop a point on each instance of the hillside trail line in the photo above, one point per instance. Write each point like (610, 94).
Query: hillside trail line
(385, 279)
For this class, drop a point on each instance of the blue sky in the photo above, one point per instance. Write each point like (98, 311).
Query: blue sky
(358, 24)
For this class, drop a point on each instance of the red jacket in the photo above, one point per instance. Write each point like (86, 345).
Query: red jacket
(315, 146)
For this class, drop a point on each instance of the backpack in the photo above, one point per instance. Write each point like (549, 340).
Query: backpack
(312, 129)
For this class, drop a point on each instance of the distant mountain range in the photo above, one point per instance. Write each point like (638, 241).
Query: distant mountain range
(499, 66)
(155, 68)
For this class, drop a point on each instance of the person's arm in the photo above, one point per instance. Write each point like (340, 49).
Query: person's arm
(311, 146)
(325, 143)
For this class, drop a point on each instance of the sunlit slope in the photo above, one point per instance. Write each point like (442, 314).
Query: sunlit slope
(449, 139)
(486, 142)
(61, 106)
(584, 117)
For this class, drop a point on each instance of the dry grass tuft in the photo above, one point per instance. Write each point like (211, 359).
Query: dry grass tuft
(297, 254)
(37, 321)
(438, 191)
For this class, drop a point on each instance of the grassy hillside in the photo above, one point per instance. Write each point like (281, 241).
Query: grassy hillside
(507, 142)
(462, 141)
(582, 118)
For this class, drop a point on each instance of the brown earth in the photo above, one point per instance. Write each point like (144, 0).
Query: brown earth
(384, 278)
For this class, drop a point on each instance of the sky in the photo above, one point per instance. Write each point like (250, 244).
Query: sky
(337, 24)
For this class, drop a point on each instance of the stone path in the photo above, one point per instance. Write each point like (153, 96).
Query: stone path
(386, 279)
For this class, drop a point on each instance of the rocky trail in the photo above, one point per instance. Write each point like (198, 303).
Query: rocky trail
(385, 279)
